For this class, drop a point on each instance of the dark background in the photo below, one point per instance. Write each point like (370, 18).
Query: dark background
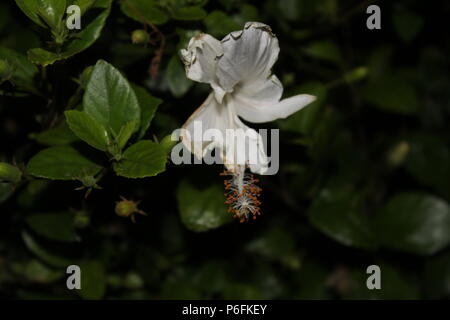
(364, 175)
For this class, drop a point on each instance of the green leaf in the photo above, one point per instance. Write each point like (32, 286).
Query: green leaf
(305, 120)
(189, 13)
(336, 213)
(148, 105)
(428, 161)
(35, 271)
(324, 50)
(395, 284)
(125, 133)
(392, 93)
(6, 191)
(62, 163)
(40, 11)
(90, 33)
(79, 42)
(53, 226)
(407, 24)
(178, 83)
(109, 98)
(45, 255)
(356, 74)
(290, 9)
(87, 129)
(437, 276)
(278, 245)
(93, 280)
(414, 222)
(144, 11)
(60, 135)
(167, 143)
(9, 173)
(43, 57)
(23, 71)
(247, 13)
(84, 5)
(52, 11)
(219, 24)
(143, 159)
(202, 210)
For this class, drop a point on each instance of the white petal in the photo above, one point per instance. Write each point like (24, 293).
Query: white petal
(200, 59)
(248, 151)
(262, 91)
(248, 54)
(211, 115)
(257, 110)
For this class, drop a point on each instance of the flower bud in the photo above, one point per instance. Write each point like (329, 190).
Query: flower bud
(128, 208)
(140, 37)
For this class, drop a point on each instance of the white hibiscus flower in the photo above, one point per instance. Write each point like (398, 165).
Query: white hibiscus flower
(238, 68)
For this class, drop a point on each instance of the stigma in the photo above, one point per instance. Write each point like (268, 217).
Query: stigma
(242, 194)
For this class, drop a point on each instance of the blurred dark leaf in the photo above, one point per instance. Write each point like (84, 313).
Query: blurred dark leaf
(202, 210)
(45, 255)
(312, 282)
(9, 173)
(324, 50)
(6, 190)
(54, 226)
(428, 161)
(219, 24)
(278, 245)
(407, 24)
(392, 93)
(337, 213)
(414, 222)
(144, 11)
(437, 276)
(22, 70)
(240, 291)
(178, 83)
(395, 285)
(93, 280)
(35, 271)
(189, 13)
(60, 135)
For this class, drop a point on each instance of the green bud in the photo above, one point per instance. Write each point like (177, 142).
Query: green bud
(140, 37)
(128, 208)
(9, 173)
(125, 208)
